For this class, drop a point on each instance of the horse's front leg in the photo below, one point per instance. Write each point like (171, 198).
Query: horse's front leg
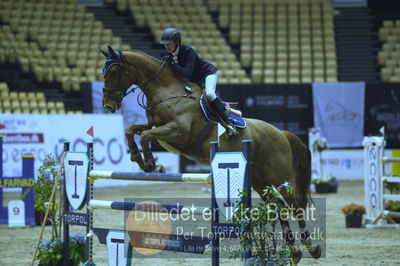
(130, 132)
(168, 132)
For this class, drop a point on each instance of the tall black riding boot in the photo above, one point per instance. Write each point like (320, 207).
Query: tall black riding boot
(220, 109)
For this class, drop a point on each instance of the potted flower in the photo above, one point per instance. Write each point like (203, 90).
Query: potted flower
(354, 213)
(325, 184)
(50, 252)
(258, 243)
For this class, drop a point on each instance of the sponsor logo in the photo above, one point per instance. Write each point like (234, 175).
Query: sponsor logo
(16, 138)
(16, 182)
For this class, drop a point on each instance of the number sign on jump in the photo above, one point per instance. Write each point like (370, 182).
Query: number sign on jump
(76, 170)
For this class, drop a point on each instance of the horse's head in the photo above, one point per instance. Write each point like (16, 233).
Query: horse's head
(116, 79)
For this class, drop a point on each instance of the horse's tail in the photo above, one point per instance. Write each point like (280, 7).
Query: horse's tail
(302, 169)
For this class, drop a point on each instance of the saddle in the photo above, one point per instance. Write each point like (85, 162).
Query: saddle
(235, 116)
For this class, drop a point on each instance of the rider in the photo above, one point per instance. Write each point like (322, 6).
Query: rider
(185, 61)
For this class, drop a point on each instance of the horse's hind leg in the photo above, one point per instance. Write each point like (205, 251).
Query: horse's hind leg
(290, 240)
(315, 251)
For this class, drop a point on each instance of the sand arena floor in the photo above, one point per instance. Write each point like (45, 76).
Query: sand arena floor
(344, 246)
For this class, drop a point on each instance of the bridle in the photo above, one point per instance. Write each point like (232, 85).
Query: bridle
(118, 95)
(115, 93)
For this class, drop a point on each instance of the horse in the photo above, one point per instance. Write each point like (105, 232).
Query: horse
(176, 121)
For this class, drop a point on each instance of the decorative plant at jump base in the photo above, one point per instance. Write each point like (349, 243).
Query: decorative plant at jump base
(353, 213)
(320, 145)
(50, 251)
(43, 187)
(394, 206)
(325, 184)
(260, 221)
(394, 188)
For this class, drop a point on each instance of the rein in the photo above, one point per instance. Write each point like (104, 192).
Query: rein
(170, 98)
(154, 76)
(120, 95)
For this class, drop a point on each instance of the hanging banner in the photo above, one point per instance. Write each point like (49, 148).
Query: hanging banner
(339, 112)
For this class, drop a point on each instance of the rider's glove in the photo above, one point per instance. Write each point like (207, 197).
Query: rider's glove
(169, 58)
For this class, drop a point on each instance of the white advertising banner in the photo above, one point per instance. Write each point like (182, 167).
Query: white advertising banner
(343, 164)
(45, 134)
(339, 112)
(347, 164)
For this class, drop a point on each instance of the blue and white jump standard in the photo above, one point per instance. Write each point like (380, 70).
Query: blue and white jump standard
(75, 199)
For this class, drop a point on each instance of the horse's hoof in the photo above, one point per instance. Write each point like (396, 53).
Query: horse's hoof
(296, 256)
(316, 251)
(159, 169)
(133, 158)
(149, 167)
(136, 158)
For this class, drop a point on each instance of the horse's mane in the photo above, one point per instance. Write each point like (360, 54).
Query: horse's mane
(156, 60)
(143, 53)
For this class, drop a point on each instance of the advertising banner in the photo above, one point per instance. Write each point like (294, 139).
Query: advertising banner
(45, 134)
(339, 112)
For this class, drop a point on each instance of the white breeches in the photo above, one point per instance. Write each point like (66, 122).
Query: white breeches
(210, 86)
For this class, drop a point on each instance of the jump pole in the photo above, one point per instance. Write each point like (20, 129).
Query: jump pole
(141, 176)
(87, 219)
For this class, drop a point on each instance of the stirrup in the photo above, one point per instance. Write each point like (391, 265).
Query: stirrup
(231, 131)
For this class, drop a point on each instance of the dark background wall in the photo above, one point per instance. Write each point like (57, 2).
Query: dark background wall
(287, 107)
(290, 107)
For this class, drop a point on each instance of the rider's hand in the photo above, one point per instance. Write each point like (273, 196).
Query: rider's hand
(169, 59)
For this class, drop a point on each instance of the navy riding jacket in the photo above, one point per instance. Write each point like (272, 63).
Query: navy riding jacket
(191, 66)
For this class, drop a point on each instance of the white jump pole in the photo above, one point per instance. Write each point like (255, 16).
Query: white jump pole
(140, 176)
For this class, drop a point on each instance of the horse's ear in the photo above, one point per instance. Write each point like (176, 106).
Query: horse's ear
(104, 52)
(111, 50)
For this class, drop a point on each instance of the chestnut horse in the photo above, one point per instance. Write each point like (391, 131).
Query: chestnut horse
(175, 119)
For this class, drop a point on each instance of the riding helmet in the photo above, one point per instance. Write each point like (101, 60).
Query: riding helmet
(170, 35)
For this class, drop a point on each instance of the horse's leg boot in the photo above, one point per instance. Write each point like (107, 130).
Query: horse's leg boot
(222, 112)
